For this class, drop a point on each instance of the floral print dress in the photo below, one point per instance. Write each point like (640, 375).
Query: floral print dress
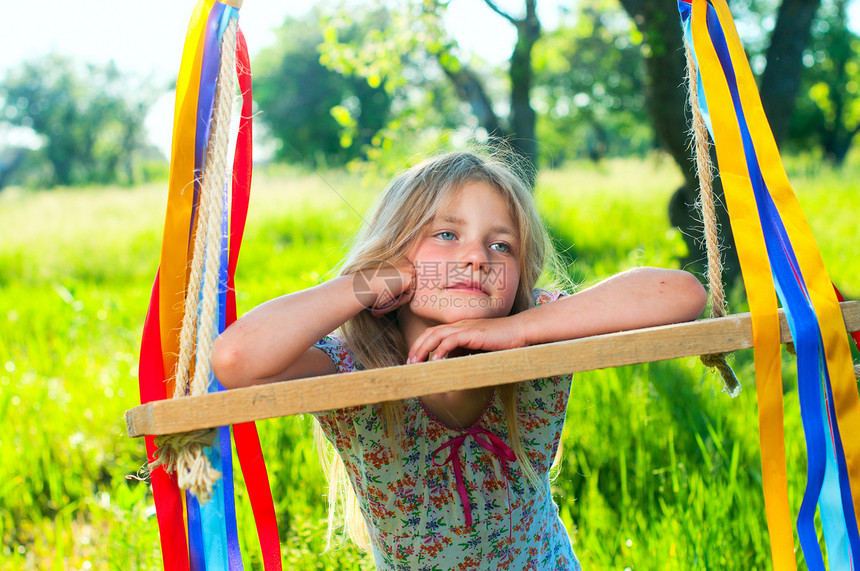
(455, 498)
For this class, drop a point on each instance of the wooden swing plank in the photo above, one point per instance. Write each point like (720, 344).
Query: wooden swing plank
(329, 392)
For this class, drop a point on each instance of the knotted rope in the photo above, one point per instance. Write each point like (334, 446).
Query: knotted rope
(184, 453)
(705, 174)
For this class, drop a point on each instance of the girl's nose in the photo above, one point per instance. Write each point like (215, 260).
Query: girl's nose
(475, 255)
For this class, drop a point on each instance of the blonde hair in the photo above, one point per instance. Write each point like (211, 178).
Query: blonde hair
(402, 213)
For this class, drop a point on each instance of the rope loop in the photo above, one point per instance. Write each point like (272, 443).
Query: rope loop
(183, 454)
(731, 385)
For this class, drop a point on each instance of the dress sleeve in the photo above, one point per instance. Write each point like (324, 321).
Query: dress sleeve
(339, 426)
(338, 352)
(542, 296)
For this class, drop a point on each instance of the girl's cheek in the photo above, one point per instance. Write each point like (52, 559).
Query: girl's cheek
(506, 278)
(423, 301)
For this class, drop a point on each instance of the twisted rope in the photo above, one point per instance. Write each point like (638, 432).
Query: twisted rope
(184, 454)
(705, 174)
(213, 212)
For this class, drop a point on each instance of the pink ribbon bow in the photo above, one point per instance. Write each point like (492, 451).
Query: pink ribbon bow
(490, 442)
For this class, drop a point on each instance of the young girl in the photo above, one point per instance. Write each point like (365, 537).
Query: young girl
(445, 266)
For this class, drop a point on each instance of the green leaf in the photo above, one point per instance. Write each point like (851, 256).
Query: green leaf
(343, 118)
(330, 34)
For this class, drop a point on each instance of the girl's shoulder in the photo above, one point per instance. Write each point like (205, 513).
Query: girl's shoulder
(542, 296)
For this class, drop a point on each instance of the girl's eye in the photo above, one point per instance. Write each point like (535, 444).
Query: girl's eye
(501, 247)
(445, 235)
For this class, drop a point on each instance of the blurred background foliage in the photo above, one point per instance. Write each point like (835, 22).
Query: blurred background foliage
(346, 81)
(86, 122)
(318, 116)
(372, 84)
(827, 117)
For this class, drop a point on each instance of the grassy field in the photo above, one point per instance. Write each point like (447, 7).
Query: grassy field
(661, 470)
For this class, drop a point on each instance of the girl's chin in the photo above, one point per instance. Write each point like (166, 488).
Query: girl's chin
(447, 310)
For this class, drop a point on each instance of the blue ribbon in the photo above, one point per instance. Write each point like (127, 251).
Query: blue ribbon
(234, 554)
(208, 80)
(196, 555)
(212, 517)
(214, 542)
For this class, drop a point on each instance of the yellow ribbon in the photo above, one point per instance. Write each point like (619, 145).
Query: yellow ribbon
(176, 242)
(759, 286)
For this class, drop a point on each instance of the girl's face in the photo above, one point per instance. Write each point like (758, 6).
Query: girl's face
(467, 260)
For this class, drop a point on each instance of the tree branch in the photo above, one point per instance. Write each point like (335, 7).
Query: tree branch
(492, 6)
(470, 90)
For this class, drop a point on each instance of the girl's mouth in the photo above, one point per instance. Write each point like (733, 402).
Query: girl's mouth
(469, 287)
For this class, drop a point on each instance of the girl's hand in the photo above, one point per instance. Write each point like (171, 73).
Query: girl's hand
(384, 288)
(474, 334)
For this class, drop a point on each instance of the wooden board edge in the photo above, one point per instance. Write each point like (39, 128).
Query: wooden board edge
(730, 333)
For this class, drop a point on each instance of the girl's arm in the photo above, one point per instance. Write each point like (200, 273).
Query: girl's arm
(642, 297)
(637, 298)
(274, 341)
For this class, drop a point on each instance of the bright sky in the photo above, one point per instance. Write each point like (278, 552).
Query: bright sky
(147, 37)
(140, 36)
(150, 39)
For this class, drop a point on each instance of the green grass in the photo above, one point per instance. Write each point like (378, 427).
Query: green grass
(660, 469)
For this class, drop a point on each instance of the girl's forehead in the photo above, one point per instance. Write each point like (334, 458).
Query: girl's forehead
(468, 193)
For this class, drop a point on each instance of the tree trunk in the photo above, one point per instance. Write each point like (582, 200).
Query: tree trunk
(659, 22)
(666, 101)
(523, 117)
(780, 81)
(520, 134)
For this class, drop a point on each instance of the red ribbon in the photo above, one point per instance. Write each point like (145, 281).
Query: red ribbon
(488, 441)
(247, 441)
(854, 334)
(165, 491)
